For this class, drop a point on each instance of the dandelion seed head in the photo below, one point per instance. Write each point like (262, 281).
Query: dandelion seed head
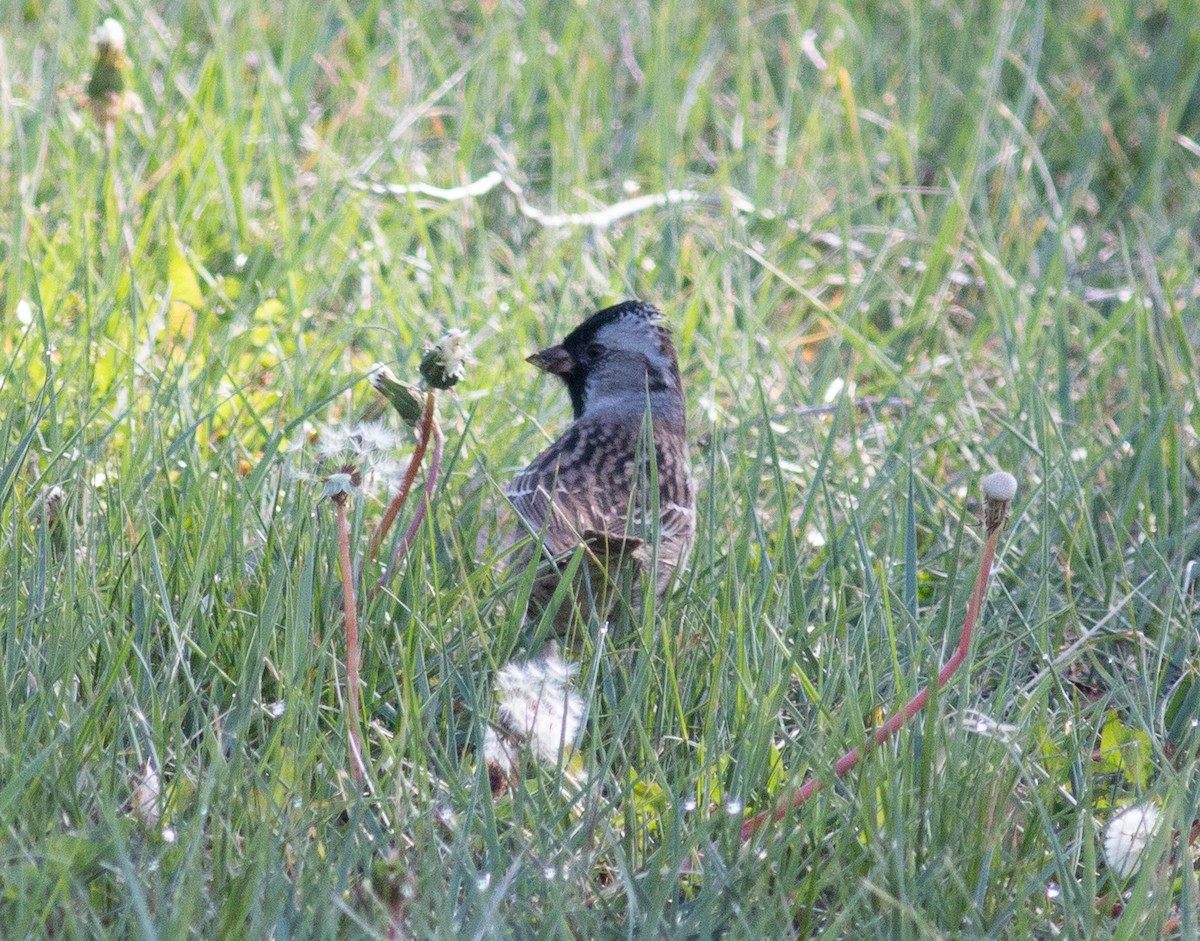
(1000, 486)
(147, 796)
(341, 484)
(1126, 836)
(51, 504)
(998, 491)
(498, 752)
(365, 450)
(538, 706)
(445, 363)
(110, 37)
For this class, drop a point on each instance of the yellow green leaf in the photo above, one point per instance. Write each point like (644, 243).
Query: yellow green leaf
(270, 311)
(181, 279)
(1125, 750)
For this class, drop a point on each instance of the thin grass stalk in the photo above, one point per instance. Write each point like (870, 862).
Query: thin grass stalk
(358, 768)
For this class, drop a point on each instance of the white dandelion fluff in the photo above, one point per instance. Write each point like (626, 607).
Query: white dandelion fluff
(147, 796)
(110, 36)
(358, 441)
(1000, 486)
(445, 363)
(998, 492)
(350, 457)
(1126, 836)
(538, 705)
(498, 752)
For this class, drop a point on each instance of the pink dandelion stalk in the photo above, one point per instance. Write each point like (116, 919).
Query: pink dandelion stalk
(998, 491)
(339, 487)
(443, 365)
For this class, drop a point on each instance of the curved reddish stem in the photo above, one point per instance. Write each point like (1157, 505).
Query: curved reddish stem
(414, 525)
(410, 475)
(895, 722)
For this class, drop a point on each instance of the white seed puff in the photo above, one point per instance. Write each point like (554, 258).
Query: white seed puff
(1000, 486)
(1126, 837)
(110, 36)
(998, 490)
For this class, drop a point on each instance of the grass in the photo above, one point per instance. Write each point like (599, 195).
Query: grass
(968, 228)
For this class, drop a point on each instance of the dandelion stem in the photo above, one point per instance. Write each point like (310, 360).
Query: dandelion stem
(358, 766)
(431, 478)
(844, 764)
(410, 474)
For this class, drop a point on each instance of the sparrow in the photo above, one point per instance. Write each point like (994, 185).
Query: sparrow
(595, 485)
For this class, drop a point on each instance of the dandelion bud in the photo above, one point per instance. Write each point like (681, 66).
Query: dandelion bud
(446, 362)
(52, 501)
(998, 492)
(404, 398)
(106, 86)
(110, 38)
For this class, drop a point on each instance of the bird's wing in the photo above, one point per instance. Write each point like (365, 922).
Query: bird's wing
(677, 501)
(578, 487)
(678, 524)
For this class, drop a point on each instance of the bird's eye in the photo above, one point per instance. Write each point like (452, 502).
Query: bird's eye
(593, 351)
